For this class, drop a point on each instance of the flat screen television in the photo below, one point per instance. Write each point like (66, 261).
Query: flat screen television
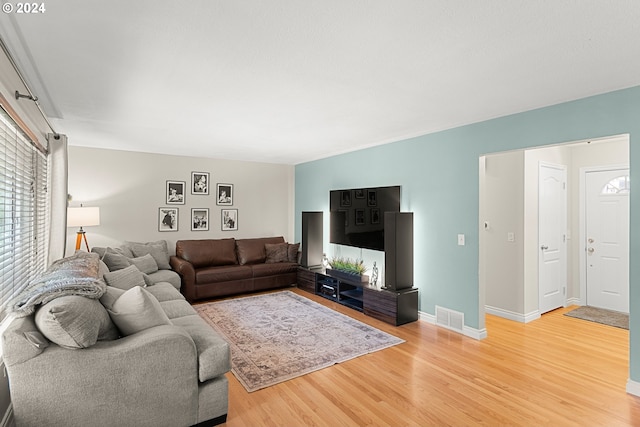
(357, 215)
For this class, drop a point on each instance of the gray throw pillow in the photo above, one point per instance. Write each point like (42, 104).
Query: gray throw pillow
(276, 252)
(146, 264)
(115, 261)
(126, 278)
(75, 322)
(137, 310)
(293, 250)
(158, 250)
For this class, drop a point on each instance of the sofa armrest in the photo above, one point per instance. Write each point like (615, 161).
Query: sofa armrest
(188, 275)
(151, 376)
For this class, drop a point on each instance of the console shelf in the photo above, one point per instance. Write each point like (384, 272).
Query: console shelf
(394, 307)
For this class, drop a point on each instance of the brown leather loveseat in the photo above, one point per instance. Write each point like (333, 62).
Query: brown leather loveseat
(212, 268)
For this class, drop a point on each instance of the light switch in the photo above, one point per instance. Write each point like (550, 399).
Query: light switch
(460, 239)
(511, 237)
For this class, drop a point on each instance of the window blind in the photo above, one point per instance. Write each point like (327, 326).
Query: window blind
(23, 210)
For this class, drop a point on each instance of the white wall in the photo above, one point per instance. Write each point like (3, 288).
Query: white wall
(129, 187)
(502, 208)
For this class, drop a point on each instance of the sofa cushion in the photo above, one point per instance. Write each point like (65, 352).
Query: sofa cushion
(166, 276)
(276, 252)
(164, 291)
(177, 308)
(207, 252)
(75, 322)
(126, 278)
(292, 252)
(213, 352)
(264, 270)
(251, 251)
(137, 310)
(223, 274)
(158, 250)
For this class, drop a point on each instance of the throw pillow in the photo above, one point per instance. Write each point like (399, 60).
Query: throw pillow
(145, 264)
(75, 322)
(110, 296)
(137, 310)
(115, 261)
(126, 278)
(292, 252)
(148, 281)
(158, 251)
(276, 252)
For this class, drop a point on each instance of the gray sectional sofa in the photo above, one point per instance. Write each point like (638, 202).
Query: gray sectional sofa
(139, 355)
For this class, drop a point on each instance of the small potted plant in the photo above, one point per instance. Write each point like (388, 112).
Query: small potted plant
(348, 269)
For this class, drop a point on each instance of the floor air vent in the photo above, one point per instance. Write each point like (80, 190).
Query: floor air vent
(449, 319)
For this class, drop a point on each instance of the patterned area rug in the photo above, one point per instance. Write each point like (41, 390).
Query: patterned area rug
(279, 336)
(600, 315)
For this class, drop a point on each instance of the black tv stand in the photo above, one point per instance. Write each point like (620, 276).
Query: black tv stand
(394, 307)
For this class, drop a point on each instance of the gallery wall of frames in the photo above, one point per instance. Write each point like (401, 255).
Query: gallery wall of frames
(199, 187)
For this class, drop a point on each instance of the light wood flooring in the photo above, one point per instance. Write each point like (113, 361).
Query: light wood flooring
(555, 371)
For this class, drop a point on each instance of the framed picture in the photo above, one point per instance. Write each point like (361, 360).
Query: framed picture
(200, 219)
(375, 216)
(199, 182)
(168, 219)
(224, 195)
(229, 219)
(372, 198)
(359, 193)
(345, 198)
(175, 192)
(359, 216)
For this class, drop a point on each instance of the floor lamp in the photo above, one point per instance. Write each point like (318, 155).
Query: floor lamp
(82, 217)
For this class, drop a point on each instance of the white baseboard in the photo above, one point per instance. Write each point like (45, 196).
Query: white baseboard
(573, 301)
(477, 334)
(512, 315)
(633, 387)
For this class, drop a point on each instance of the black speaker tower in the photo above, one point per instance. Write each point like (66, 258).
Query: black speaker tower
(398, 250)
(311, 239)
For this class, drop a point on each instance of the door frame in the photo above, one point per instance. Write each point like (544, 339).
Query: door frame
(582, 221)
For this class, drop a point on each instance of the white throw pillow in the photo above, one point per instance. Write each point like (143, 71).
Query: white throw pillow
(137, 310)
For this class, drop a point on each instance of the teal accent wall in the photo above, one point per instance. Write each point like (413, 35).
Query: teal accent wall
(438, 173)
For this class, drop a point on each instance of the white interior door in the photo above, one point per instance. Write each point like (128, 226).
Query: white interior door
(552, 226)
(607, 234)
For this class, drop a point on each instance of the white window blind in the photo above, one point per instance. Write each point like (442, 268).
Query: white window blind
(23, 210)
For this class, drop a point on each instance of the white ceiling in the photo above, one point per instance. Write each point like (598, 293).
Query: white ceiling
(288, 81)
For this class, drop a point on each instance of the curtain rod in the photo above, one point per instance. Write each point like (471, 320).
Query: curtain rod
(31, 96)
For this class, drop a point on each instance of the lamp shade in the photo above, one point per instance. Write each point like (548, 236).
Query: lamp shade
(83, 216)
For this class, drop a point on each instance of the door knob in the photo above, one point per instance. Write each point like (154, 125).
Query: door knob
(590, 240)
(544, 248)
(590, 250)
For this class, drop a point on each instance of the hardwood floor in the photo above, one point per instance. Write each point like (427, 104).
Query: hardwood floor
(555, 371)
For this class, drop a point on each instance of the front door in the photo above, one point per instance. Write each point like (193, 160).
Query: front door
(552, 226)
(607, 234)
